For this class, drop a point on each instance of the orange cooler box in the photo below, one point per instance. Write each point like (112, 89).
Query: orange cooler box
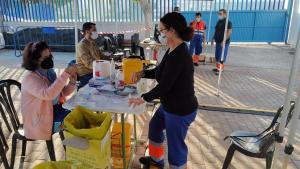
(118, 162)
(116, 139)
(116, 144)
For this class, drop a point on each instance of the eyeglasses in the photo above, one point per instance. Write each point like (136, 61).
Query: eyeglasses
(161, 30)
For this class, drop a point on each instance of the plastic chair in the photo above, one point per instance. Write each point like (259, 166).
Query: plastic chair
(256, 145)
(3, 148)
(7, 109)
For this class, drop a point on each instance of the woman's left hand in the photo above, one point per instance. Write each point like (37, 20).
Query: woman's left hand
(135, 102)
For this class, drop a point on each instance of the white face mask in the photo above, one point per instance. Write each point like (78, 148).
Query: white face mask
(221, 17)
(94, 35)
(162, 38)
(198, 19)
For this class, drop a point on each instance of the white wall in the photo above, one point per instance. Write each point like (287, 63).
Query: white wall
(295, 24)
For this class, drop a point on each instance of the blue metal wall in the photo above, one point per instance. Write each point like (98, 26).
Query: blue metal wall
(253, 20)
(250, 26)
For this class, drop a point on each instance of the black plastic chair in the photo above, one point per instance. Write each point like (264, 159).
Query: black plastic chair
(256, 145)
(3, 148)
(7, 109)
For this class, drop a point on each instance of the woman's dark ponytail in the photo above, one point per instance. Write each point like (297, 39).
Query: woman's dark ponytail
(178, 23)
(186, 34)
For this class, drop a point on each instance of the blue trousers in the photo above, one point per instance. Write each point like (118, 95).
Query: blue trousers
(218, 52)
(176, 129)
(59, 114)
(196, 45)
(84, 79)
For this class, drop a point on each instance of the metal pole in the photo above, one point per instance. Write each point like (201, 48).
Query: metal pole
(1, 20)
(209, 25)
(288, 20)
(75, 23)
(134, 125)
(223, 48)
(293, 24)
(286, 108)
(123, 141)
(291, 137)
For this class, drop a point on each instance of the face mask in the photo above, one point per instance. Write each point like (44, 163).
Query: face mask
(198, 19)
(162, 39)
(94, 35)
(221, 17)
(47, 63)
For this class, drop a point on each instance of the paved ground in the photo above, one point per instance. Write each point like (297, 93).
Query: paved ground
(255, 76)
(258, 79)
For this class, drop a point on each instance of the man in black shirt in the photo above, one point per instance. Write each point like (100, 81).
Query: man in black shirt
(218, 38)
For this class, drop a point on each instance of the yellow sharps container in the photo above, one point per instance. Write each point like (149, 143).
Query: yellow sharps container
(131, 65)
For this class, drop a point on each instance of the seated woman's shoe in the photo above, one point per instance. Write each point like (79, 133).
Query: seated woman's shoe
(149, 164)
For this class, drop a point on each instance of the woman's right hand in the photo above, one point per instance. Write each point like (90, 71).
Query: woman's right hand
(137, 76)
(71, 70)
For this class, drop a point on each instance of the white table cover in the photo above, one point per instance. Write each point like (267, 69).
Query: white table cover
(91, 98)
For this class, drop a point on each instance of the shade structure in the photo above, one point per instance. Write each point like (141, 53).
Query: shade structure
(294, 120)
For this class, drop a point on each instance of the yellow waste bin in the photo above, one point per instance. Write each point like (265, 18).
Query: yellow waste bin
(88, 138)
(60, 165)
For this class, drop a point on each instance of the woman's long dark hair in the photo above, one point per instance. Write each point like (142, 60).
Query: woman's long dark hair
(32, 54)
(178, 23)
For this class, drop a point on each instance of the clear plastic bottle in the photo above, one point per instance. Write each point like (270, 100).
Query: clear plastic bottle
(112, 71)
(117, 79)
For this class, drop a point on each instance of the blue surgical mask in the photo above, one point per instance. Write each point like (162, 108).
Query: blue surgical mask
(221, 17)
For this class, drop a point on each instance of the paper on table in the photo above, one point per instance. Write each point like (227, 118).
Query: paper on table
(107, 87)
(92, 99)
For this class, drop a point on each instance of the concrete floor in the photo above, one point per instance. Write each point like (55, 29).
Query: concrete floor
(255, 77)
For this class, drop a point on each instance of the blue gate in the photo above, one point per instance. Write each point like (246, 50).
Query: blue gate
(253, 20)
(251, 26)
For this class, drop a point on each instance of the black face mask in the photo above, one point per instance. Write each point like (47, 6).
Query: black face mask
(47, 63)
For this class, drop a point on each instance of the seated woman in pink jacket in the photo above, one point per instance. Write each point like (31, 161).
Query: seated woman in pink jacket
(43, 93)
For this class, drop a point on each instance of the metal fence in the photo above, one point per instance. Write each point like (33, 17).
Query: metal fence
(58, 38)
(7, 37)
(118, 10)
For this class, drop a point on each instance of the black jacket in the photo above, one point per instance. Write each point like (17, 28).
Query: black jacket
(175, 77)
